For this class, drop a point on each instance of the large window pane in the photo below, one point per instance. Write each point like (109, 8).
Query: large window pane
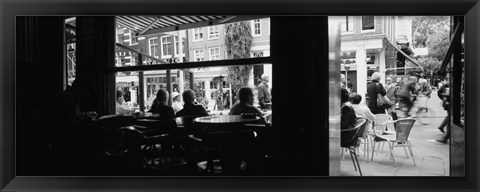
(221, 39)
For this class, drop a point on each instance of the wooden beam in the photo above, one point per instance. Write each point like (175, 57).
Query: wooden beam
(141, 53)
(188, 65)
(150, 25)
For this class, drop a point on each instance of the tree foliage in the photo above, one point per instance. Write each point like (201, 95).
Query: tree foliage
(425, 26)
(432, 32)
(238, 41)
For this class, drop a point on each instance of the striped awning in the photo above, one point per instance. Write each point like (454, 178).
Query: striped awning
(143, 24)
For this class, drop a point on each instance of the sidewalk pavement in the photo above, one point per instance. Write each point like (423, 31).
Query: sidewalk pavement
(431, 158)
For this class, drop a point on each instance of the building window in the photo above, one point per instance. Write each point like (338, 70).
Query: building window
(213, 32)
(256, 28)
(197, 34)
(133, 39)
(177, 46)
(198, 55)
(214, 53)
(166, 42)
(368, 23)
(153, 47)
(347, 24)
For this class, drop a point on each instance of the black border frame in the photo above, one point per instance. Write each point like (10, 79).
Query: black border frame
(9, 9)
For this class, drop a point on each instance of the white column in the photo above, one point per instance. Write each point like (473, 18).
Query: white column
(250, 79)
(361, 57)
(207, 90)
(381, 64)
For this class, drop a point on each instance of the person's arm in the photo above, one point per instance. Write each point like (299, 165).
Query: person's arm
(261, 94)
(381, 89)
(440, 92)
(202, 110)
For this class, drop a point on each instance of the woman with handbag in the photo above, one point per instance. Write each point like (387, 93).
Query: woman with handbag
(375, 91)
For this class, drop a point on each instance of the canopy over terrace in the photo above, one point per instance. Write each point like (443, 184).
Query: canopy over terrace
(144, 25)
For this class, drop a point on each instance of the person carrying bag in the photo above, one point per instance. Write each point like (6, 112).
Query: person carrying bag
(383, 101)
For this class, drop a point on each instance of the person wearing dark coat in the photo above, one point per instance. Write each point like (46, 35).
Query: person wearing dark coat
(190, 108)
(160, 106)
(444, 95)
(373, 89)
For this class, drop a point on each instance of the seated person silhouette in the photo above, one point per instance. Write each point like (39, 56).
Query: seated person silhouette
(190, 108)
(245, 105)
(160, 106)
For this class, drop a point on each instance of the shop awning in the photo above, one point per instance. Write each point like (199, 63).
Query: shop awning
(143, 25)
(405, 55)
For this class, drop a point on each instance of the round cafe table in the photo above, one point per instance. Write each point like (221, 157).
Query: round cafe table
(226, 120)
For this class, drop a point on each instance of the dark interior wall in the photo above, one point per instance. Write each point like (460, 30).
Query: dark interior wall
(300, 67)
(39, 79)
(95, 53)
(39, 58)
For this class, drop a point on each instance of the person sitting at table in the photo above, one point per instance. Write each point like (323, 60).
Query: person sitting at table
(347, 113)
(190, 108)
(176, 102)
(245, 105)
(160, 107)
(361, 110)
(121, 108)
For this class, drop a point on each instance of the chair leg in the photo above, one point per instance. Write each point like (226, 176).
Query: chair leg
(411, 152)
(373, 150)
(391, 153)
(405, 149)
(355, 166)
(352, 151)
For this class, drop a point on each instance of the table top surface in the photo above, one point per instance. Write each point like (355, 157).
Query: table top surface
(226, 119)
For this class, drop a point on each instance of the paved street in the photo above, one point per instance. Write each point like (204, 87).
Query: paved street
(432, 158)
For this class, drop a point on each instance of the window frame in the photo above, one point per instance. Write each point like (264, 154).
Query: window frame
(210, 53)
(368, 30)
(150, 47)
(209, 35)
(195, 54)
(168, 44)
(194, 32)
(253, 22)
(346, 25)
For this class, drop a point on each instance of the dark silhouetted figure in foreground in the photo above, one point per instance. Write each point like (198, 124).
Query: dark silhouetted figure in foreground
(73, 135)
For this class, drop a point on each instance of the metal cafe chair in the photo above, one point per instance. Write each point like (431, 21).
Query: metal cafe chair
(365, 139)
(399, 139)
(381, 123)
(349, 140)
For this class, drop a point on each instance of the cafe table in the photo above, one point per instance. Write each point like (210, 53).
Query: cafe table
(227, 120)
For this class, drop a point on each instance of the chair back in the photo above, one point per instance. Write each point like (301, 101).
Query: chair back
(404, 126)
(382, 118)
(349, 137)
(364, 133)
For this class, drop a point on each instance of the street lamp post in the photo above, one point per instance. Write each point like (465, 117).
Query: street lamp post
(347, 68)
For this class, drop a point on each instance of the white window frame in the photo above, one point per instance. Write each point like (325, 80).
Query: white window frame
(180, 52)
(200, 55)
(368, 30)
(259, 27)
(344, 22)
(194, 32)
(166, 43)
(215, 34)
(210, 55)
(130, 37)
(150, 44)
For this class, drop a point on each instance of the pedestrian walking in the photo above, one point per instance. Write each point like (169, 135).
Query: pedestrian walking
(444, 95)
